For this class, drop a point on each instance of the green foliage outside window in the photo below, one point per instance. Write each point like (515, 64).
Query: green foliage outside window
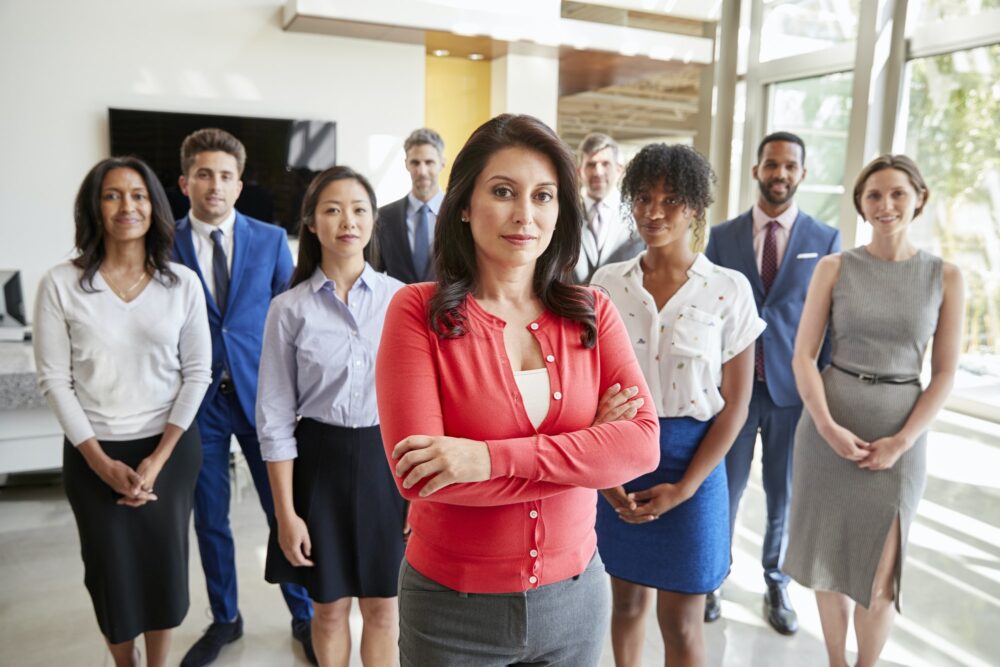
(954, 135)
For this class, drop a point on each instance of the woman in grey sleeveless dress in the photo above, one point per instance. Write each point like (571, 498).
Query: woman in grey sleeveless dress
(860, 447)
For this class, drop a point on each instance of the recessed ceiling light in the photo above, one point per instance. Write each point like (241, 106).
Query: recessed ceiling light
(441, 53)
(476, 56)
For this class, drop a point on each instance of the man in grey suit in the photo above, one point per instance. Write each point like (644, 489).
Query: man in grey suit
(405, 227)
(607, 237)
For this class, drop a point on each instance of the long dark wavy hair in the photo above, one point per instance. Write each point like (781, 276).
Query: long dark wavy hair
(310, 250)
(89, 221)
(454, 248)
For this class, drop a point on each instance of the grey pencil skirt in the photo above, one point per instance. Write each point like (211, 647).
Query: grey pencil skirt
(559, 624)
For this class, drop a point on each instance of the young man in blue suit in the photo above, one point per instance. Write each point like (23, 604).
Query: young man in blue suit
(776, 247)
(242, 263)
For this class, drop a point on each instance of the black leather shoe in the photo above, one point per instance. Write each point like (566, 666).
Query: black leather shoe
(206, 649)
(779, 612)
(713, 605)
(302, 633)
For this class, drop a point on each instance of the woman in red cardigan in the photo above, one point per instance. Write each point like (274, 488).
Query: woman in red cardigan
(507, 395)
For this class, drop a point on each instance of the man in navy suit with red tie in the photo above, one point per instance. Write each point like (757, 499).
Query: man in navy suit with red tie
(776, 247)
(242, 264)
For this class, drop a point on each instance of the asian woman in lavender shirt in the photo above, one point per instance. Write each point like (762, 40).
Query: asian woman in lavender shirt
(339, 519)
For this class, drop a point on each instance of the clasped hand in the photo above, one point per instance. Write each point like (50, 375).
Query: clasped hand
(441, 460)
(645, 505)
(879, 454)
(884, 452)
(135, 486)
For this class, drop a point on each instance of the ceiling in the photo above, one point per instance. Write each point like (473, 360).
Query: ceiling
(605, 87)
(633, 99)
(630, 99)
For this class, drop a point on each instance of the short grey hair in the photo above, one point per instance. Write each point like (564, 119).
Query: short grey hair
(424, 135)
(596, 141)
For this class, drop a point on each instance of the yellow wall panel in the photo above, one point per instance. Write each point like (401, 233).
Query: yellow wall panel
(457, 99)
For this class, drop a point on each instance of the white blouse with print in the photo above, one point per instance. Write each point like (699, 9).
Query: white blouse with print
(681, 349)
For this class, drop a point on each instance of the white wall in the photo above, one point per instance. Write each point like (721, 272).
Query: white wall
(65, 62)
(525, 84)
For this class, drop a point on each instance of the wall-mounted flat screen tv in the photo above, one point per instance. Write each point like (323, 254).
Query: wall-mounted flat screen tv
(283, 155)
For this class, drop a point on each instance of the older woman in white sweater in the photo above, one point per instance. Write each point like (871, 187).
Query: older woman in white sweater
(123, 355)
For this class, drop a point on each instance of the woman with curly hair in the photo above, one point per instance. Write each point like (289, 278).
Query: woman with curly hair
(500, 416)
(692, 325)
(124, 358)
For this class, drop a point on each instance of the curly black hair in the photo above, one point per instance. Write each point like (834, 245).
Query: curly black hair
(682, 170)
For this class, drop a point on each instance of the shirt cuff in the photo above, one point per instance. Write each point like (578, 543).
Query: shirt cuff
(514, 457)
(80, 434)
(279, 450)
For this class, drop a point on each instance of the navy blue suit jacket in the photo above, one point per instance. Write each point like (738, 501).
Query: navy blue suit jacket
(731, 245)
(261, 269)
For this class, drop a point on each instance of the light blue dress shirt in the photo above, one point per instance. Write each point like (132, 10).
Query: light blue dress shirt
(433, 206)
(318, 359)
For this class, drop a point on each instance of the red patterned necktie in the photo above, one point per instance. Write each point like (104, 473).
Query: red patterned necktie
(768, 270)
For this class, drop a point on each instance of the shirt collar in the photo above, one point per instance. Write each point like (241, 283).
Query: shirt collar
(205, 229)
(786, 219)
(319, 281)
(701, 266)
(434, 203)
(612, 201)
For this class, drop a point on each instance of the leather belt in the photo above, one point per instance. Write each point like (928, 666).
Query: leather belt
(870, 378)
(226, 386)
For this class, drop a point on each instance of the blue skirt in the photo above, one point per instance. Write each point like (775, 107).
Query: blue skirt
(687, 549)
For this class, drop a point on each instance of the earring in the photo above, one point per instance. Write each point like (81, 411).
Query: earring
(465, 220)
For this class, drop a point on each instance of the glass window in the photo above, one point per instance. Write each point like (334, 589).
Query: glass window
(922, 13)
(817, 109)
(736, 157)
(953, 133)
(793, 27)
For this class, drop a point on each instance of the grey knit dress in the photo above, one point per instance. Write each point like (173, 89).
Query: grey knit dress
(881, 318)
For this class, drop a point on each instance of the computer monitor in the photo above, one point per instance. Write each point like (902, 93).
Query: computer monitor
(11, 300)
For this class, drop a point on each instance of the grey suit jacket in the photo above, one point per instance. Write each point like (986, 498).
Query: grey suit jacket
(621, 244)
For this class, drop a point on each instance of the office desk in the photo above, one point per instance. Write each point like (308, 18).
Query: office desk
(30, 436)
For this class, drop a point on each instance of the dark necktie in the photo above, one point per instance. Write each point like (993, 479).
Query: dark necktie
(768, 270)
(421, 244)
(220, 271)
(597, 226)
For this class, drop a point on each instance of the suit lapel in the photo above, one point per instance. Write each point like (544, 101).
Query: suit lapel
(618, 236)
(186, 254)
(403, 234)
(242, 235)
(795, 240)
(744, 240)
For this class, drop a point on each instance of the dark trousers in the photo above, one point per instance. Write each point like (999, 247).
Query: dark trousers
(777, 432)
(219, 420)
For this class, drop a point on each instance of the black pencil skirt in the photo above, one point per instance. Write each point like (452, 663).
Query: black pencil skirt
(135, 559)
(343, 490)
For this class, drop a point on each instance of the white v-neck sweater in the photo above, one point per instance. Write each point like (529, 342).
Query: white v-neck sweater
(116, 370)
